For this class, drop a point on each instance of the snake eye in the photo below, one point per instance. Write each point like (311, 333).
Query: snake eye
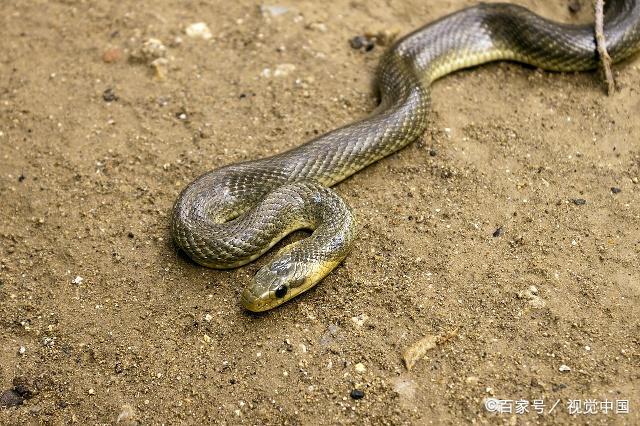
(281, 291)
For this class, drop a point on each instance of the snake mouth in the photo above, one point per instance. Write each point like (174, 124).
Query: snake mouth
(254, 302)
(267, 300)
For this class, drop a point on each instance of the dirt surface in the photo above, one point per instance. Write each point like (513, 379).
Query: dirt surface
(102, 319)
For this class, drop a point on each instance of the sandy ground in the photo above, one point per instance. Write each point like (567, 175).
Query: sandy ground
(102, 319)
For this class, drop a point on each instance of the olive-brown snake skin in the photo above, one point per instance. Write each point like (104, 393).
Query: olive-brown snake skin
(230, 216)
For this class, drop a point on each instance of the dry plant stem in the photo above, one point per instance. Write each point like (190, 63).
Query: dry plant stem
(601, 46)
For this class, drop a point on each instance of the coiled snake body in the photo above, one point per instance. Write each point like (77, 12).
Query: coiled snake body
(230, 216)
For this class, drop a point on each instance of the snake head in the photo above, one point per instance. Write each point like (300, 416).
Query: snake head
(277, 282)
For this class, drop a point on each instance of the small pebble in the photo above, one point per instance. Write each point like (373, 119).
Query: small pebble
(78, 280)
(616, 190)
(109, 96)
(362, 42)
(112, 54)
(360, 368)
(360, 319)
(152, 49)
(579, 201)
(472, 380)
(498, 232)
(357, 394)
(384, 37)
(266, 73)
(274, 10)
(564, 368)
(127, 415)
(531, 294)
(198, 30)
(575, 6)
(92, 391)
(283, 70)
(433, 152)
(317, 26)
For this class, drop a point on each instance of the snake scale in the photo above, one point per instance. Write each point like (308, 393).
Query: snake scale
(232, 215)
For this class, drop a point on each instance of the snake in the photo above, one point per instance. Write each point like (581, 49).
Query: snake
(232, 215)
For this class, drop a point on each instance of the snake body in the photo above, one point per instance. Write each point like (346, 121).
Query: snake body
(230, 216)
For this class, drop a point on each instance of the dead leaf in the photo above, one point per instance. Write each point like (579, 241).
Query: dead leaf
(418, 350)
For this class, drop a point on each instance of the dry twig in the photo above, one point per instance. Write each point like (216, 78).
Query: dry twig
(605, 59)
